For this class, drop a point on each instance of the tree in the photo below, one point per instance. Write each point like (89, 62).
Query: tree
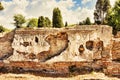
(106, 8)
(32, 22)
(1, 7)
(87, 21)
(57, 18)
(113, 17)
(102, 7)
(41, 21)
(47, 22)
(66, 24)
(80, 23)
(3, 29)
(19, 20)
(98, 11)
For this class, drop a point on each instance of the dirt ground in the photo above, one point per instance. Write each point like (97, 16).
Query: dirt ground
(92, 76)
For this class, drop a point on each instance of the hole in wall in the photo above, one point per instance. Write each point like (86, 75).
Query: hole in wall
(36, 39)
(89, 45)
(81, 48)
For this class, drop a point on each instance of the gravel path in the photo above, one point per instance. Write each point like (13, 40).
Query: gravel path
(92, 76)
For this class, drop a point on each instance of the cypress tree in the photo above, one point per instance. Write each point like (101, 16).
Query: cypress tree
(87, 21)
(98, 12)
(41, 21)
(66, 24)
(57, 18)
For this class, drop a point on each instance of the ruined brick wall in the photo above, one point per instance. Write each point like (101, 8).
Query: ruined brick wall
(65, 47)
(6, 49)
(64, 44)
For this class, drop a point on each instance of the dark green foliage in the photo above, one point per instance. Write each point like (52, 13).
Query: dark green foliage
(57, 18)
(80, 23)
(32, 22)
(98, 11)
(85, 22)
(41, 21)
(44, 22)
(47, 22)
(106, 6)
(106, 9)
(3, 29)
(1, 7)
(102, 8)
(113, 17)
(19, 20)
(66, 24)
(98, 22)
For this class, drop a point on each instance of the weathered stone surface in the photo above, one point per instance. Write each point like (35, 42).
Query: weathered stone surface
(116, 50)
(98, 48)
(89, 45)
(112, 69)
(71, 50)
(42, 41)
(81, 49)
(6, 49)
(31, 56)
(58, 43)
(23, 53)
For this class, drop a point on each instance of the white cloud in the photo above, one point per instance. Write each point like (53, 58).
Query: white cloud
(85, 1)
(11, 8)
(36, 8)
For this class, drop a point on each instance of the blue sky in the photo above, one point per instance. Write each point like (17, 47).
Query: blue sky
(72, 11)
(83, 3)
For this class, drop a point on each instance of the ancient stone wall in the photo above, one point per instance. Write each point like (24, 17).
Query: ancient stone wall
(64, 44)
(6, 49)
(82, 49)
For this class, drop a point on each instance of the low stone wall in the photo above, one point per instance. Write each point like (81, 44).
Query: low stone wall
(55, 52)
(63, 44)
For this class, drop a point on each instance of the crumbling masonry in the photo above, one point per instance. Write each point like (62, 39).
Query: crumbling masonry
(72, 49)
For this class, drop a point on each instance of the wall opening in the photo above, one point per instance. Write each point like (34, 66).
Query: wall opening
(89, 45)
(81, 49)
(36, 39)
